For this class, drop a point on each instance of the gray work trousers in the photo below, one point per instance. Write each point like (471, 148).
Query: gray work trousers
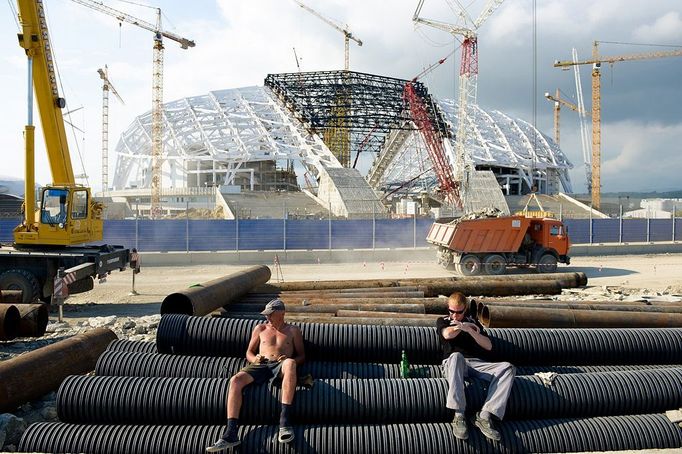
(500, 375)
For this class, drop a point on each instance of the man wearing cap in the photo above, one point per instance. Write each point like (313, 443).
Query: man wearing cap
(465, 347)
(274, 351)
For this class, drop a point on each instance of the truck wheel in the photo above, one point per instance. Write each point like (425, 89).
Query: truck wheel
(469, 265)
(495, 265)
(23, 280)
(547, 264)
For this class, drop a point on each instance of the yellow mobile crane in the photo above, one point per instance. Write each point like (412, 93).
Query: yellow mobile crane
(67, 217)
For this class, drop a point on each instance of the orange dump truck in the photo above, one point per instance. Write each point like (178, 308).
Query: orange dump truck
(490, 245)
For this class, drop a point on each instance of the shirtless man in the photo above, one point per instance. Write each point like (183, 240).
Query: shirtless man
(274, 351)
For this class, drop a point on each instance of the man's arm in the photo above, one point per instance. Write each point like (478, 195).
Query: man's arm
(481, 339)
(450, 332)
(252, 355)
(298, 346)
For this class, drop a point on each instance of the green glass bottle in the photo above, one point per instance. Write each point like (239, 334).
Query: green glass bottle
(404, 366)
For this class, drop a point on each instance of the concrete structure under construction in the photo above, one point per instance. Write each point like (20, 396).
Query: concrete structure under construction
(297, 134)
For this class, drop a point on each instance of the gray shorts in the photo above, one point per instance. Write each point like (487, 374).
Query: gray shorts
(266, 371)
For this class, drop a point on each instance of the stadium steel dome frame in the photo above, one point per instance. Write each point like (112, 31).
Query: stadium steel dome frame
(216, 134)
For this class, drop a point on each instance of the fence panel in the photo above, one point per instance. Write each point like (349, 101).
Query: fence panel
(578, 230)
(212, 235)
(678, 229)
(120, 233)
(352, 234)
(6, 229)
(634, 230)
(307, 234)
(261, 234)
(162, 235)
(660, 230)
(605, 230)
(394, 233)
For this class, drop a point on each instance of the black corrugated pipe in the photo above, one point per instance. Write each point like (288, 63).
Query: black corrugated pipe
(131, 364)
(125, 345)
(613, 433)
(204, 298)
(592, 346)
(134, 364)
(115, 400)
(181, 334)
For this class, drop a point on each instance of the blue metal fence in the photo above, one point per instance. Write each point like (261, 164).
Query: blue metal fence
(302, 234)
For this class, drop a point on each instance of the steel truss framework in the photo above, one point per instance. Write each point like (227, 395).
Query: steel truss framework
(512, 146)
(367, 105)
(214, 135)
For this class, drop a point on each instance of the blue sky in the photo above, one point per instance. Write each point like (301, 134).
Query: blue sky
(240, 42)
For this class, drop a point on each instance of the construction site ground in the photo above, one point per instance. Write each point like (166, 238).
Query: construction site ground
(136, 317)
(630, 274)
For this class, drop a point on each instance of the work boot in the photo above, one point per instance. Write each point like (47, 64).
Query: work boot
(487, 428)
(459, 427)
(223, 444)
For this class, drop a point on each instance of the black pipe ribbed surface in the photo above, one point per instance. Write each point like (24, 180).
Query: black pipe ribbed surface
(182, 334)
(112, 400)
(134, 364)
(124, 345)
(614, 433)
(594, 346)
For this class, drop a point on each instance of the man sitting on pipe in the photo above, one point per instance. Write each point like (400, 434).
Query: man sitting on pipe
(274, 351)
(464, 343)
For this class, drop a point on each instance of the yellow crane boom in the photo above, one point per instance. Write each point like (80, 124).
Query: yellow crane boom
(596, 62)
(558, 102)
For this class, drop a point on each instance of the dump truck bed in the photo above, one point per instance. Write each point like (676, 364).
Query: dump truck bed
(504, 234)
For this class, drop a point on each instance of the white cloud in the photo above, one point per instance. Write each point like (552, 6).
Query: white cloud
(666, 29)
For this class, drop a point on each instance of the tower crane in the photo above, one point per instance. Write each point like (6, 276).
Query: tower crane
(558, 102)
(468, 75)
(106, 87)
(347, 34)
(157, 87)
(596, 62)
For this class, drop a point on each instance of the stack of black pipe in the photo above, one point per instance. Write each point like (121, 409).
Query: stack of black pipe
(612, 388)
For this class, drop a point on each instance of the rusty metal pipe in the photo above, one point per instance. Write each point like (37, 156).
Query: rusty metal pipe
(592, 307)
(34, 318)
(305, 295)
(11, 296)
(533, 317)
(9, 321)
(34, 374)
(331, 319)
(384, 314)
(578, 278)
(204, 298)
(331, 308)
(482, 288)
(413, 288)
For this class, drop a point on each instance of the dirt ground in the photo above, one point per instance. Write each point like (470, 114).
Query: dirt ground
(650, 273)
